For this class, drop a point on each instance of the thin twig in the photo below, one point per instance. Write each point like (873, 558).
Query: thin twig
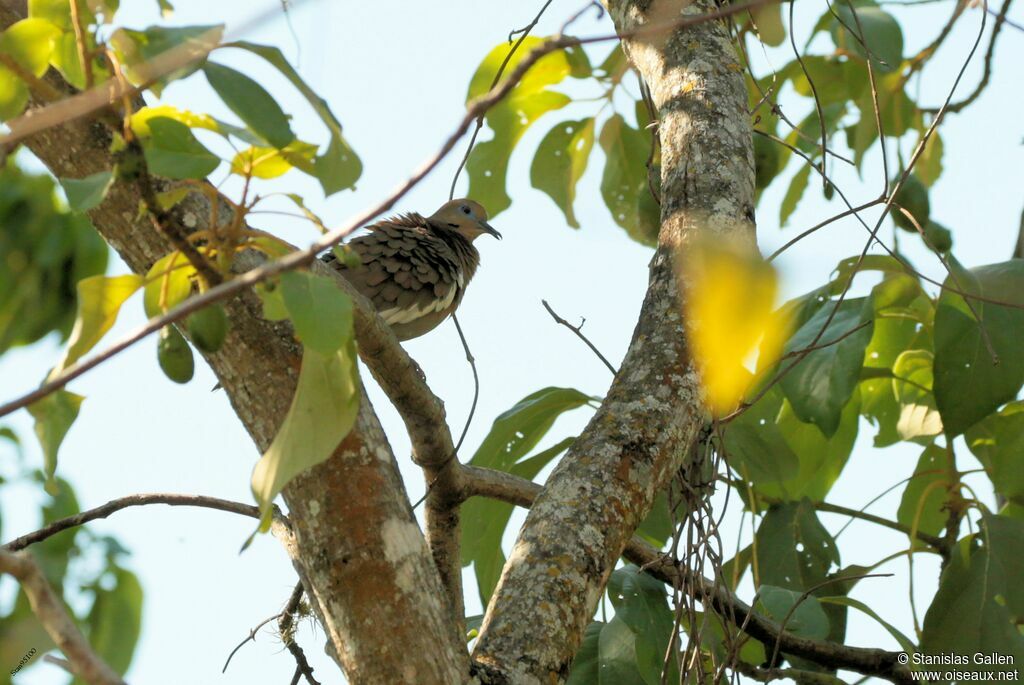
(139, 500)
(300, 258)
(286, 627)
(579, 334)
(251, 637)
(83, 50)
(525, 31)
(476, 383)
(987, 73)
(807, 593)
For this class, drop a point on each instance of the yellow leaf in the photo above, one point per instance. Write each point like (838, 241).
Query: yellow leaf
(731, 317)
(140, 120)
(269, 162)
(99, 301)
(168, 283)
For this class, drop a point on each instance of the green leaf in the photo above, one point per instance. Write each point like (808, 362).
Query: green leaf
(912, 383)
(87, 193)
(903, 320)
(484, 522)
(822, 382)
(905, 644)
(488, 163)
(56, 12)
(337, 169)
(998, 443)
(514, 433)
(1004, 538)
(794, 551)
(99, 302)
(560, 161)
(586, 669)
(528, 101)
(115, 621)
(821, 459)
(172, 151)
(793, 194)
(834, 81)
(807, 620)
(139, 48)
(768, 19)
(616, 655)
(755, 446)
(518, 430)
(30, 42)
(641, 603)
(53, 417)
(657, 527)
(807, 136)
(319, 309)
(251, 103)
(970, 613)
(926, 493)
(874, 27)
(321, 414)
(969, 384)
(624, 185)
(929, 164)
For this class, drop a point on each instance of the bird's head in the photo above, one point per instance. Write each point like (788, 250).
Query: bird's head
(466, 217)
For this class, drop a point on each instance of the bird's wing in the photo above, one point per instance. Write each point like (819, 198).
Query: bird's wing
(405, 271)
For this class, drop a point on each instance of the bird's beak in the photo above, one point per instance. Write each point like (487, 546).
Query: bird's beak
(487, 228)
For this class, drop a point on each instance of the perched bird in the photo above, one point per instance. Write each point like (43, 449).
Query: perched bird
(415, 269)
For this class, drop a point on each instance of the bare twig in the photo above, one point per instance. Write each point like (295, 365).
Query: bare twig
(83, 50)
(578, 331)
(525, 31)
(303, 257)
(986, 76)
(286, 626)
(50, 611)
(120, 503)
(513, 489)
(251, 637)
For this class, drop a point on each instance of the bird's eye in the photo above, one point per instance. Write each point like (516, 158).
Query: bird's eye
(465, 209)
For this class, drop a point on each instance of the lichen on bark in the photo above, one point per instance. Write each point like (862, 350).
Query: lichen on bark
(606, 483)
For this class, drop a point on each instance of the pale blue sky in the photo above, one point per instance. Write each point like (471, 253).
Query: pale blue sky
(396, 74)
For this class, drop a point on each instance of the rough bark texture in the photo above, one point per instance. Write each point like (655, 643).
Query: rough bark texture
(357, 546)
(637, 440)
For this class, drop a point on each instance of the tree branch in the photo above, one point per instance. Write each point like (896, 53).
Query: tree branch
(113, 506)
(637, 440)
(507, 487)
(356, 544)
(48, 608)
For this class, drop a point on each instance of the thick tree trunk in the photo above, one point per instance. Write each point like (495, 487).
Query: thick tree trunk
(362, 558)
(605, 485)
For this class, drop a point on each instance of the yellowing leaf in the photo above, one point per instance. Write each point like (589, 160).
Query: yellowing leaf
(140, 120)
(99, 301)
(322, 413)
(30, 42)
(730, 311)
(269, 162)
(168, 283)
